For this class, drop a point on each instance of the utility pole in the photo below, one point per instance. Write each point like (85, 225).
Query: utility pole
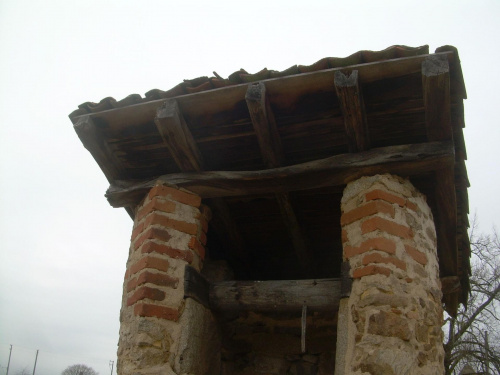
(36, 358)
(111, 364)
(8, 363)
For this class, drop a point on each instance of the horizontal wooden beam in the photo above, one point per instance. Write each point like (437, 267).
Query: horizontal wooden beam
(282, 295)
(405, 160)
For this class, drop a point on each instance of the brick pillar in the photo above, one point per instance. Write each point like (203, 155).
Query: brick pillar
(169, 232)
(393, 317)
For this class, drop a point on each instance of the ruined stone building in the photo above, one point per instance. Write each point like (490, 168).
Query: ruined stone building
(308, 221)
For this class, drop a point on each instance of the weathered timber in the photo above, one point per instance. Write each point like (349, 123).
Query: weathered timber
(177, 137)
(436, 91)
(405, 160)
(352, 106)
(93, 141)
(450, 284)
(264, 125)
(196, 286)
(345, 280)
(215, 101)
(272, 152)
(282, 295)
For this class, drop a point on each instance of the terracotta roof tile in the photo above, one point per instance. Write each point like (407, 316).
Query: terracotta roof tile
(242, 76)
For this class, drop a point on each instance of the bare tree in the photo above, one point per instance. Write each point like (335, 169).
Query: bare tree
(79, 370)
(473, 336)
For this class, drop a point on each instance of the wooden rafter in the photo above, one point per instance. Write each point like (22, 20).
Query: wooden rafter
(405, 160)
(182, 146)
(271, 149)
(352, 106)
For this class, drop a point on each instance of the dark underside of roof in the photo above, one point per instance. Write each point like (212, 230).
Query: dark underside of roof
(273, 121)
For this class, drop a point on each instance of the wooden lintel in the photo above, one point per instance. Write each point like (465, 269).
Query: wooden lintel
(264, 125)
(405, 160)
(94, 142)
(178, 137)
(196, 286)
(353, 110)
(282, 295)
(436, 92)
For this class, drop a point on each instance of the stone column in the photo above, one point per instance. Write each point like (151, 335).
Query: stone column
(394, 315)
(156, 321)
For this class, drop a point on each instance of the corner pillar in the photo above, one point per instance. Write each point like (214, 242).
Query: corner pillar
(156, 321)
(392, 319)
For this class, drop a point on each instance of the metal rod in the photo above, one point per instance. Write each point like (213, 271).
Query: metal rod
(304, 323)
(8, 363)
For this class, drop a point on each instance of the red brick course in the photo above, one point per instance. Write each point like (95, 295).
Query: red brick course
(146, 292)
(153, 247)
(176, 195)
(378, 258)
(167, 222)
(195, 245)
(152, 233)
(345, 237)
(368, 209)
(370, 270)
(379, 243)
(155, 205)
(146, 277)
(148, 262)
(162, 312)
(417, 255)
(391, 198)
(387, 226)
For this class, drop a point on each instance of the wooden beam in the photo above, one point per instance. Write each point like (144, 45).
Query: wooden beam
(405, 160)
(196, 286)
(177, 136)
(352, 107)
(94, 142)
(271, 149)
(288, 295)
(436, 91)
(264, 125)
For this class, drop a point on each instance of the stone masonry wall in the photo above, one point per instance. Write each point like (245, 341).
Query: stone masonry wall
(394, 314)
(156, 321)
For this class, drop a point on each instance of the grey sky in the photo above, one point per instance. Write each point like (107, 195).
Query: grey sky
(62, 247)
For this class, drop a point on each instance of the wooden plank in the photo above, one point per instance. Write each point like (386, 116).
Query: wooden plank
(352, 107)
(264, 125)
(177, 136)
(94, 142)
(282, 295)
(405, 160)
(196, 286)
(436, 91)
(345, 280)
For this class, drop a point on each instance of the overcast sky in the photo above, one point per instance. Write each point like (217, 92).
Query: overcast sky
(62, 247)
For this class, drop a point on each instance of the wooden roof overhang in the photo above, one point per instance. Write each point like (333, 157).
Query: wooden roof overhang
(272, 157)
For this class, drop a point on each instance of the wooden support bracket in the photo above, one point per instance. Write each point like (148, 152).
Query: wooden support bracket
(353, 109)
